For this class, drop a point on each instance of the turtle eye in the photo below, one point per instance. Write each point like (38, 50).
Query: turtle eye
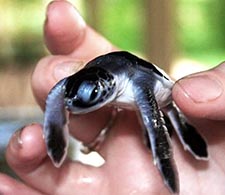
(89, 92)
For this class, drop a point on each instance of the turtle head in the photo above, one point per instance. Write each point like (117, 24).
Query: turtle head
(89, 89)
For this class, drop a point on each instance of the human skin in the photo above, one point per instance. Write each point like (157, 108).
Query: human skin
(129, 168)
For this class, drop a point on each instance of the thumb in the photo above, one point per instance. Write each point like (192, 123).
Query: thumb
(202, 95)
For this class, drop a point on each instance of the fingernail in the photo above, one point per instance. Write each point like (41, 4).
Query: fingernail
(16, 141)
(201, 88)
(65, 69)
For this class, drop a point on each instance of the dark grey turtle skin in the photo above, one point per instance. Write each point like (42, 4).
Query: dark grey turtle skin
(123, 80)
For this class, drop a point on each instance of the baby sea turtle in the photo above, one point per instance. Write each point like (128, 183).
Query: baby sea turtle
(123, 80)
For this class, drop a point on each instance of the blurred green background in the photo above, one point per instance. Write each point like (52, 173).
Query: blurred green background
(165, 32)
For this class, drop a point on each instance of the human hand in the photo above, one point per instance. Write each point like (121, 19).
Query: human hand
(129, 168)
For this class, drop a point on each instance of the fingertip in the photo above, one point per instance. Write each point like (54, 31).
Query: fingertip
(66, 33)
(201, 95)
(182, 99)
(201, 88)
(63, 31)
(26, 148)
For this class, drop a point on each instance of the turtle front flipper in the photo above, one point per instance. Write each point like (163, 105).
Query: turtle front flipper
(188, 135)
(55, 124)
(158, 136)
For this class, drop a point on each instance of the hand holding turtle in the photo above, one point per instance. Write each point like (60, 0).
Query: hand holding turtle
(128, 168)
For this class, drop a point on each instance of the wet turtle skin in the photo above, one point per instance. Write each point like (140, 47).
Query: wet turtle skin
(123, 80)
